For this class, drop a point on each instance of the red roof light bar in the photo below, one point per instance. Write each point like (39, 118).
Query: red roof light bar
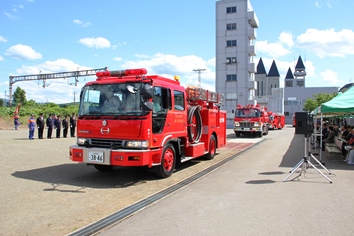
(129, 72)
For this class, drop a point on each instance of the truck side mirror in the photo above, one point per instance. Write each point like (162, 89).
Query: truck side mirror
(147, 91)
(147, 106)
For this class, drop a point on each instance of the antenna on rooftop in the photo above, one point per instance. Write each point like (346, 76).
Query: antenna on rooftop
(199, 71)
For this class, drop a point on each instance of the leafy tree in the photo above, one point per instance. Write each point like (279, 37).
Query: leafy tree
(19, 96)
(1, 102)
(311, 104)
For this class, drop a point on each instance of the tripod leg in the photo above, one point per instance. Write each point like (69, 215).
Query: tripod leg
(318, 162)
(297, 166)
(294, 169)
(320, 172)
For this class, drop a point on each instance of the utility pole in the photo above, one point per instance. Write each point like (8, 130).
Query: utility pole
(74, 98)
(199, 71)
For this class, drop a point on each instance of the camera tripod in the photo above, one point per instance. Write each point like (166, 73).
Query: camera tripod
(305, 163)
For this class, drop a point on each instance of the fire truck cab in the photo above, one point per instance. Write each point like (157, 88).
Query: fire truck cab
(128, 118)
(251, 119)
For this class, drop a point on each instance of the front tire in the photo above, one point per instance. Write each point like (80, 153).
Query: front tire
(212, 148)
(168, 162)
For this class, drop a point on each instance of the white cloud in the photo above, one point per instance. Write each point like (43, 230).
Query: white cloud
(272, 49)
(1, 58)
(2, 39)
(60, 65)
(21, 51)
(287, 39)
(117, 59)
(168, 65)
(330, 77)
(10, 16)
(79, 22)
(99, 42)
(327, 42)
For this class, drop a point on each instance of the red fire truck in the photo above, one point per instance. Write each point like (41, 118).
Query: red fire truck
(276, 120)
(251, 119)
(128, 118)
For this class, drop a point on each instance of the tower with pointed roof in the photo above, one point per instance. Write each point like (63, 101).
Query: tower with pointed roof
(289, 79)
(265, 82)
(300, 73)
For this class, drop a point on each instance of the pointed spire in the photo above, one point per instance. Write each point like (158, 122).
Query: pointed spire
(273, 71)
(289, 74)
(299, 64)
(260, 67)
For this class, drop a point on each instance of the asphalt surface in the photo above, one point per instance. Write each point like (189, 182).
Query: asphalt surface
(248, 196)
(44, 193)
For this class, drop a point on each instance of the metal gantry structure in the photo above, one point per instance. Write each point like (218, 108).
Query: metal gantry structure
(199, 71)
(44, 77)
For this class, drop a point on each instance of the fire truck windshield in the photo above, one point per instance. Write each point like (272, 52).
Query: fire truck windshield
(111, 99)
(247, 113)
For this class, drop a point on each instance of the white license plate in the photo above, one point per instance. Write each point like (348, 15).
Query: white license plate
(246, 129)
(96, 157)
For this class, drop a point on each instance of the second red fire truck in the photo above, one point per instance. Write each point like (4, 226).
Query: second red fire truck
(128, 118)
(251, 119)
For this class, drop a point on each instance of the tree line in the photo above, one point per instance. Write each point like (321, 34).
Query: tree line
(29, 107)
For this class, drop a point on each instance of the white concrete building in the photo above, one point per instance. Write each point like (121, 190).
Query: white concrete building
(235, 69)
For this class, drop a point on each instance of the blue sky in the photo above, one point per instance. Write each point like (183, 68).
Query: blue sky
(167, 38)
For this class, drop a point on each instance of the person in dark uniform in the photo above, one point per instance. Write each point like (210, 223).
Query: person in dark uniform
(72, 125)
(49, 123)
(40, 125)
(65, 124)
(31, 127)
(57, 125)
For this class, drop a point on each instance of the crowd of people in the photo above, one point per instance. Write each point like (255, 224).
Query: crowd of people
(54, 124)
(345, 134)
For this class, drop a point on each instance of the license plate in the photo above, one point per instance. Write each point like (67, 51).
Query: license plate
(246, 129)
(96, 157)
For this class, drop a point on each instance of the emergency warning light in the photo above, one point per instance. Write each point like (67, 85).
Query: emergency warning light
(129, 72)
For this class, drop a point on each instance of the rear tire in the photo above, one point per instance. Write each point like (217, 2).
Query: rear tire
(212, 149)
(168, 162)
(103, 168)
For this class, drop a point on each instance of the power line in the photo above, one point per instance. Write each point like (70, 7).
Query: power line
(44, 77)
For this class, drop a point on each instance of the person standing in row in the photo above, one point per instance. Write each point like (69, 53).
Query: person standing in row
(40, 125)
(16, 120)
(31, 127)
(58, 126)
(72, 125)
(49, 123)
(65, 124)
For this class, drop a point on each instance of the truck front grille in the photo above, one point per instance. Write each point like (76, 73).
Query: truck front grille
(246, 124)
(106, 143)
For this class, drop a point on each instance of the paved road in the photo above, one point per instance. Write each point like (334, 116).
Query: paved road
(44, 193)
(247, 196)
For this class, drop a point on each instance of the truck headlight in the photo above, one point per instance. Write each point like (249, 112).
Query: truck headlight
(237, 123)
(257, 124)
(81, 141)
(137, 144)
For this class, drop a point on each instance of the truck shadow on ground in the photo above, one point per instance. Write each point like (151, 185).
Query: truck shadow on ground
(82, 176)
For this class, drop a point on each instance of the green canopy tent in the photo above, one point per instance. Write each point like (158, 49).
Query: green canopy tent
(342, 104)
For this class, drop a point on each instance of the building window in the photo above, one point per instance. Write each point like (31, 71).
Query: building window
(230, 60)
(231, 26)
(230, 10)
(231, 43)
(230, 78)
